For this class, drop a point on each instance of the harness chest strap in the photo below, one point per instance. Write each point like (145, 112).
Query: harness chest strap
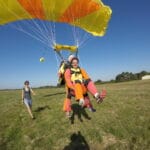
(76, 75)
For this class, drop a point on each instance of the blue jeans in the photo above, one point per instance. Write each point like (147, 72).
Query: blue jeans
(28, 102)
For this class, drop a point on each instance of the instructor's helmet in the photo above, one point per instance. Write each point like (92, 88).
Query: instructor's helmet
(70, 58)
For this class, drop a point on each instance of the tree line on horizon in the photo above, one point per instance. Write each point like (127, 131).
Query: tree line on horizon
(122, 77)
(126, 76)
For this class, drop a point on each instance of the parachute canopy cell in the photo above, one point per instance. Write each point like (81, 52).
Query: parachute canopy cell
(90, 15)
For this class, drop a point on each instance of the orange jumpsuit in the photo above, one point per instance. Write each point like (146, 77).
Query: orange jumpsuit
(74, 80)
(75, 87)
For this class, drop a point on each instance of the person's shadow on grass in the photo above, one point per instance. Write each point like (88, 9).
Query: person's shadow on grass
(59, 93)
(42, 108)
(78, 111)
(78, 142)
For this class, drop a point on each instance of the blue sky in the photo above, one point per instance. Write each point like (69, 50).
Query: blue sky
(125, 47)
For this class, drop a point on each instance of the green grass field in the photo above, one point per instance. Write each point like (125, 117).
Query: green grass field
(121, 122)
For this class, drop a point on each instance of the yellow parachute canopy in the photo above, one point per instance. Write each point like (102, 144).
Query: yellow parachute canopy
(90, 15)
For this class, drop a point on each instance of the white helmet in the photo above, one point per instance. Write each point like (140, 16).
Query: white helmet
(70, 57)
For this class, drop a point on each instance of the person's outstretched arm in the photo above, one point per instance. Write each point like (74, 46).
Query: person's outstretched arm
(32, 91)
(84, 74)
(68, 79)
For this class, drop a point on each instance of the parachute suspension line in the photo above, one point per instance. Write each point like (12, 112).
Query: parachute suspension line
(36, 36)
(48, 32)
(47, 37)
(51, 27)
(85, 38)
(57, 60)
(36, 29)
(37, 25)
(80, 61)
(74, 30)
(45, 28)
(76, 40)
(40, 36)
(29, 34)
(80, 36)
(59, 54)
(51, 30)
(53, 33)
(76, 53)
(75, 37)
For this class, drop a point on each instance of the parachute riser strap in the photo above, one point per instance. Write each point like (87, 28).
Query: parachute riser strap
(59, 54)
(76, 53)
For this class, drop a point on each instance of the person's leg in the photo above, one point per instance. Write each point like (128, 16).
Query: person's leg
(93, 90)
(78, 91)
(28, 104)
(30, 112)
(67, 103)
(88, 103)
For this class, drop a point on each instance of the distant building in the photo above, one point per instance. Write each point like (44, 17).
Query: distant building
(146, 77)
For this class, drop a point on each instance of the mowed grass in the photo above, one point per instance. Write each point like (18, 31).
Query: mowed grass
(121, 122)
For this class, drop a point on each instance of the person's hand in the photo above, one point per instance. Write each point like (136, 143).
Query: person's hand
(33, 93)
(101, 96)
(81, 102)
